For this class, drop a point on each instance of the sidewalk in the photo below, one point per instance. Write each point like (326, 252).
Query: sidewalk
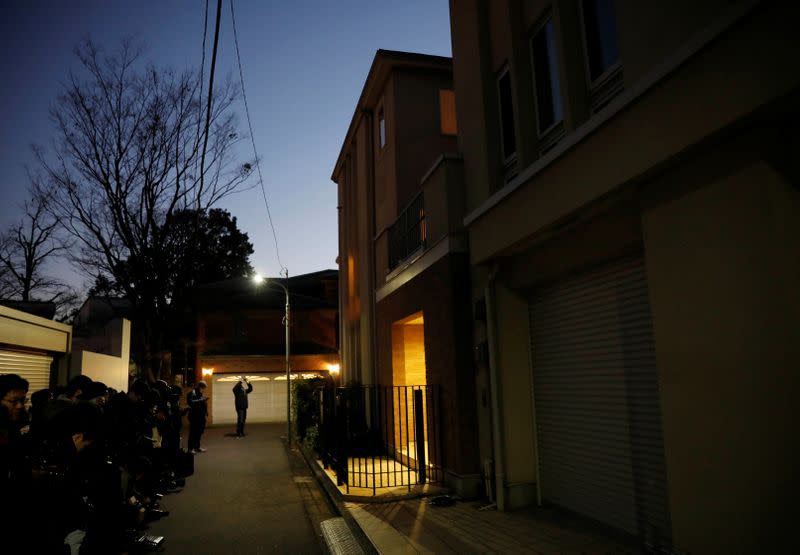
(408, 526)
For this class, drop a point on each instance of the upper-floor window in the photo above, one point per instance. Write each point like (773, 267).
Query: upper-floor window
(381, 128)
(549, 108)
(509, 139)
(600, 30)
(447, 112)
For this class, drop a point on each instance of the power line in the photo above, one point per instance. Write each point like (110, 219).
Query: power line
(208, 107)
(202, 70)
(253, 140)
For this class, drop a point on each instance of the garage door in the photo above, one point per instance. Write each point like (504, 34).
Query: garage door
(266, 403)
(33, 367)
(597, 403)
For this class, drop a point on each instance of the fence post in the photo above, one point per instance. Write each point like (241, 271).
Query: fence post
(342, 446)
(419, 435)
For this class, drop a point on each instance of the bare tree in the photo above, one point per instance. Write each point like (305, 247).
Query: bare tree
(126, 160)
(25, 248)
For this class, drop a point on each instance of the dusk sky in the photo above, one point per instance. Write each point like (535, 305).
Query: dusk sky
(304, 64)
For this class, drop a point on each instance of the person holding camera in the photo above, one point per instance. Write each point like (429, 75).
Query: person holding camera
(240, 392)
(198, 410)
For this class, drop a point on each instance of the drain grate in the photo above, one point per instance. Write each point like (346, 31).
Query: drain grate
(339, 538)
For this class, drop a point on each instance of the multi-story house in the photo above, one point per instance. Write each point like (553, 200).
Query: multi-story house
(404, 268)
(241, 332)
(633, 214)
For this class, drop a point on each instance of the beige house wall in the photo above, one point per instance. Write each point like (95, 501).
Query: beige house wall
(624, 149)
(516, 387)
(724, 270)
(112, 370)
(20, 329)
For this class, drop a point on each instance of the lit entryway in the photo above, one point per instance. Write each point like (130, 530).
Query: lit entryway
(408, 369)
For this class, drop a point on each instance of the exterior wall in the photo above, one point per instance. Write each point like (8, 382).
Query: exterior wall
(355, 252)
(419, 138)
(438, 294)
(517, 465)
(19, 329)
(385, 159)
(557, 190)
(723, 268)
(473, 76)
(264, 328)
(111, 369)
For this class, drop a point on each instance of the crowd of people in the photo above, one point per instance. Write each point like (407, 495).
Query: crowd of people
(82, 467)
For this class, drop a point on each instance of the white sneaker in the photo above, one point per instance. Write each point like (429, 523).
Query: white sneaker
(193, 451)
(202, 449)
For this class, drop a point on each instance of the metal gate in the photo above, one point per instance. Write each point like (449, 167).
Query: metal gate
(597, 403)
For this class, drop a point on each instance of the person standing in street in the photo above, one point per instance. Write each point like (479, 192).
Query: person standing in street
(240, 392)
(198, 410)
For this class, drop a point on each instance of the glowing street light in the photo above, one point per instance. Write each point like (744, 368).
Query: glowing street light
(259, 279)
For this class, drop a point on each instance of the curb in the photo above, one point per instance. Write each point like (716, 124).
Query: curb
(335, 498)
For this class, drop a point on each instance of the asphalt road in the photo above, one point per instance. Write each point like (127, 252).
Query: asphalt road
(242, 499)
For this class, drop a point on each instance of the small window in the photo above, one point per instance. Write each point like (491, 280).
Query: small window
(547, 81)
(381, 129)
(506, 115)
(600, 26)
(447, 112)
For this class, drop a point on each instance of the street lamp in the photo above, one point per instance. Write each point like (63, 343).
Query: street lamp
(258, 279)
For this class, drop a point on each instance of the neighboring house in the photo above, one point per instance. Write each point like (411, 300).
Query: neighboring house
(91, 323)
(240, 331)
(46, 353)
(633, 212)
(404, 281)
(34, 347)
(102, 341)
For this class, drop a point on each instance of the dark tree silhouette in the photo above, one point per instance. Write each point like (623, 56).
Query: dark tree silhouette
(25, 248)
(126, 164)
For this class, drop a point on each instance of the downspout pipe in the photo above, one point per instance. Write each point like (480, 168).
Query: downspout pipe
(494, 384)
(370, 118)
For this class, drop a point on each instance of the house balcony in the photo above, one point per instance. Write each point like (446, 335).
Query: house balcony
(428, 227)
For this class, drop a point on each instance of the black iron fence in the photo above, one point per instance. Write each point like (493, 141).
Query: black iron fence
(379, 437)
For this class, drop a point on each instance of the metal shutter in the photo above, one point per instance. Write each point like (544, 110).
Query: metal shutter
(33, 367)
(267, 402)
(597, 404)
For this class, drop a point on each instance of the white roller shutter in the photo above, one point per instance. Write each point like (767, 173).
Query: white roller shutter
(33, 367)
(266, 403)
(597, 403)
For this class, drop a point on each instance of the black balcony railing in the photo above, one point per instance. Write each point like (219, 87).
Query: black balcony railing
(378, 437)
(408, 233)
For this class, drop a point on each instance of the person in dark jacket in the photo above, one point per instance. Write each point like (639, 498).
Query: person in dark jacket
(240, 392)
(198, 410)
